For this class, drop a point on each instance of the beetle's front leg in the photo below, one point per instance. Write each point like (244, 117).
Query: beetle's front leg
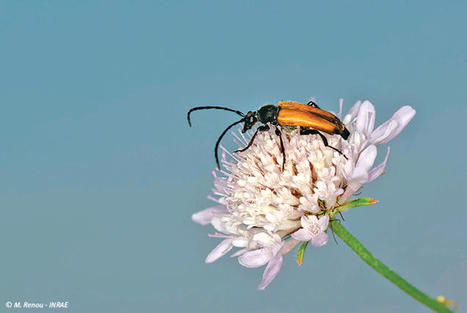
(262, 128)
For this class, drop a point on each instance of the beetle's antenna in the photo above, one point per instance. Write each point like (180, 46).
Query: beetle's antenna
(211, 107)
(220, 138)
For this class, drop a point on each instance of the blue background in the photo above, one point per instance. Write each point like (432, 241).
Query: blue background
(99, 173)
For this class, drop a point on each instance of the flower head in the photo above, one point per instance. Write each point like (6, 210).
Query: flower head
(266, 211)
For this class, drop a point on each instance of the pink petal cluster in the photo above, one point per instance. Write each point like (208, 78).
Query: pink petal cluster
(365, 139)
(313, 229)
(265, 212)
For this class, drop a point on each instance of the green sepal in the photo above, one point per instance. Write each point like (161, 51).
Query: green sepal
(301, 252)
(352, 204)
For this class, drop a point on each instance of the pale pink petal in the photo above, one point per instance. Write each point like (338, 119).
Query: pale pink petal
(366, 118)
(391, 128)
(383, 132)
(367, 157)
(319, 240)
(240, 242)
(307, 220)
(255, 258)
(339, 192)
(204, 217)
(364, 163)
(354, 110)
(302, 235)
(323, 222)
(238, 253)
(221, 249)
(264, 239)
(378, 170)
(359, 175)
(217, 223)
(271, 271)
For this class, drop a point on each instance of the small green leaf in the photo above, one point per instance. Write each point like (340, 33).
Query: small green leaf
(354, 203)
(301, 252)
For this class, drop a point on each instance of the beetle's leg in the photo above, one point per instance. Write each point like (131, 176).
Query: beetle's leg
(342, 216)
(313, 104)
(278, 133)
(307, 131)
(262, 129)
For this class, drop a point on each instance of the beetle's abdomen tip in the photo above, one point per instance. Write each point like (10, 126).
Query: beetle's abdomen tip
(345, 134)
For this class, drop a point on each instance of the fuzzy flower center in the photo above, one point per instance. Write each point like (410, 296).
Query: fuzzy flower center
(258, 193)
(314, 229)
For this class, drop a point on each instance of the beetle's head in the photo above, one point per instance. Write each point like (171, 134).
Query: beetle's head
(250, 120)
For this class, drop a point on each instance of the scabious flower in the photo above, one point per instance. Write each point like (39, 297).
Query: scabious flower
(266, 211)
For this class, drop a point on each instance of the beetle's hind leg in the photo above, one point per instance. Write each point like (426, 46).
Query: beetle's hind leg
(307, 131)
(262, 128)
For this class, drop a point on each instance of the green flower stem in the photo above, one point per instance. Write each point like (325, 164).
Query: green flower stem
(378, 266)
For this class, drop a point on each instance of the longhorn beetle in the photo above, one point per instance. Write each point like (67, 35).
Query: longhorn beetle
(309, 117)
